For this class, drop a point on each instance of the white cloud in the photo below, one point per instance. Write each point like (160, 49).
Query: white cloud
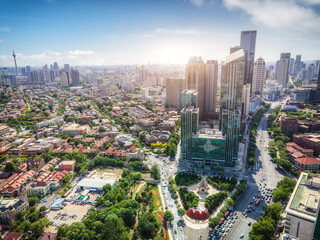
(4, 29)
(310, 2)
(279, 14)
(79, 52)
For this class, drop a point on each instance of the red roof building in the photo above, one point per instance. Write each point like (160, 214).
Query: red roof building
(14, 236)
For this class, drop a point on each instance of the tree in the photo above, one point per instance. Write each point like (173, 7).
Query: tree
(213, 222)
(113, 228)
(106, 188)
(262, 230)
(37, 228)
(181, 211)
(67, 178)
(168, 216)
(10, 167)
(155, 173)
(273, 211)
(102, 129)
(76, 231)
(51, 106)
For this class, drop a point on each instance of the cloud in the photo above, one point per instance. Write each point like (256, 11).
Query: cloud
(79, 52)
(4, 29)
(279, 14)
(1, 40)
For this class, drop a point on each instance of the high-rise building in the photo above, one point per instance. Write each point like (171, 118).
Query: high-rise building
(282, 70)
(259, 71)
(174, 87)
(75, 76)
(142, 74)
(291, 66)
(33, 77)
(211, 89)
(232, 81)
(248, 43)
(310, 75)
(56, 69)
(64, 78)
(66, 67)
(23, 71)
(235, 48)
(196, 80)
(28, 70)
(189, 98)
(297, 66)
(189, 126)
(302, 211)
(246, 99)
(51, 77)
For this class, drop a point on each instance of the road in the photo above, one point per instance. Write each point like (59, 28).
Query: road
(264, 171)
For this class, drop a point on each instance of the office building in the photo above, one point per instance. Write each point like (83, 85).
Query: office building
(208, 148)
(174, 87)
(211, 89)
(75, 77)
(245, 99)
(56, 69)
(189, 98)
(232, 81)
(248, 43)
(235, 48)
(64, 79)
(28, 70)
(282, 70)
(291, 66)
(196, 80)
(142, 74)
(51, 77)
(297, 66)
(36, 77)
(302, 211)
(189, 126)
(310, 75)
(67, 67)
(259, 71)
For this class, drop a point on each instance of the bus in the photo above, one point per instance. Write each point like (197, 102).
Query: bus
(258, 201)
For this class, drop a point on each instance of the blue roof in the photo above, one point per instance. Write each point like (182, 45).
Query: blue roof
(291, 107)
(58, 203)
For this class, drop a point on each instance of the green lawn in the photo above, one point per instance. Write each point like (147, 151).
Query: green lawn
(156, 198)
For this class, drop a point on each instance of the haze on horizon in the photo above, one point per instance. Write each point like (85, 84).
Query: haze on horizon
(140, 32)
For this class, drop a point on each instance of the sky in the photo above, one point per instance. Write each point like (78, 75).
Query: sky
(114, 32)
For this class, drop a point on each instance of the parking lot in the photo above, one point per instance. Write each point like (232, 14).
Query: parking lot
(66, 216)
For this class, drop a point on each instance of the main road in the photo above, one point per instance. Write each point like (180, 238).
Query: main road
(264, 171)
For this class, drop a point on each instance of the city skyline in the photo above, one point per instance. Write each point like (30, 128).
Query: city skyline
(115, 33)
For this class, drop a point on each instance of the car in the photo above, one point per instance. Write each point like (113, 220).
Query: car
(246, 215)
(175, 231)
(249, 223)
(242, 236)
(181, 229)
(227, 230)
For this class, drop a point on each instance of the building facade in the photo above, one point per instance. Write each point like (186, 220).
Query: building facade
(282, 69)
(211, 89)
(248, 43)
(259, 71)
(232, 80)
(174, 87)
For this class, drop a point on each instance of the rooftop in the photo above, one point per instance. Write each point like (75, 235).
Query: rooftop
(304, 200)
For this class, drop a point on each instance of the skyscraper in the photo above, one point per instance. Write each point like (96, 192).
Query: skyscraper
(246, 99)
(174, 87)
(75, 76)
(232, 81)
(15, 62)
(28, 70)
(283, 69)
(196, 80)
(258, 76)
(64, 78)
(310, 75)
(248, 43)
(189, 98)
(291, 66)
(297, 66)
(189, 126)
(211, 88)
(235, 48)
(66, 67)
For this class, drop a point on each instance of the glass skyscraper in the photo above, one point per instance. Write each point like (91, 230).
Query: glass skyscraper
(232, 80)
(248, 43)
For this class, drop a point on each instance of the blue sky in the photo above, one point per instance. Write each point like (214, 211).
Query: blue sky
(111, 32)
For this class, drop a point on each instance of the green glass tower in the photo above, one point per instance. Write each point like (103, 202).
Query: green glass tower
(232, 80)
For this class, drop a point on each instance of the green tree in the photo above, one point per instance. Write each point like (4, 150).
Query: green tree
(67, 178)
(37, 227)
(168, 216)
(155, 173)
(213, 222)
(10, 167)
(262, 230)
(181, 211)
(273, 211)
